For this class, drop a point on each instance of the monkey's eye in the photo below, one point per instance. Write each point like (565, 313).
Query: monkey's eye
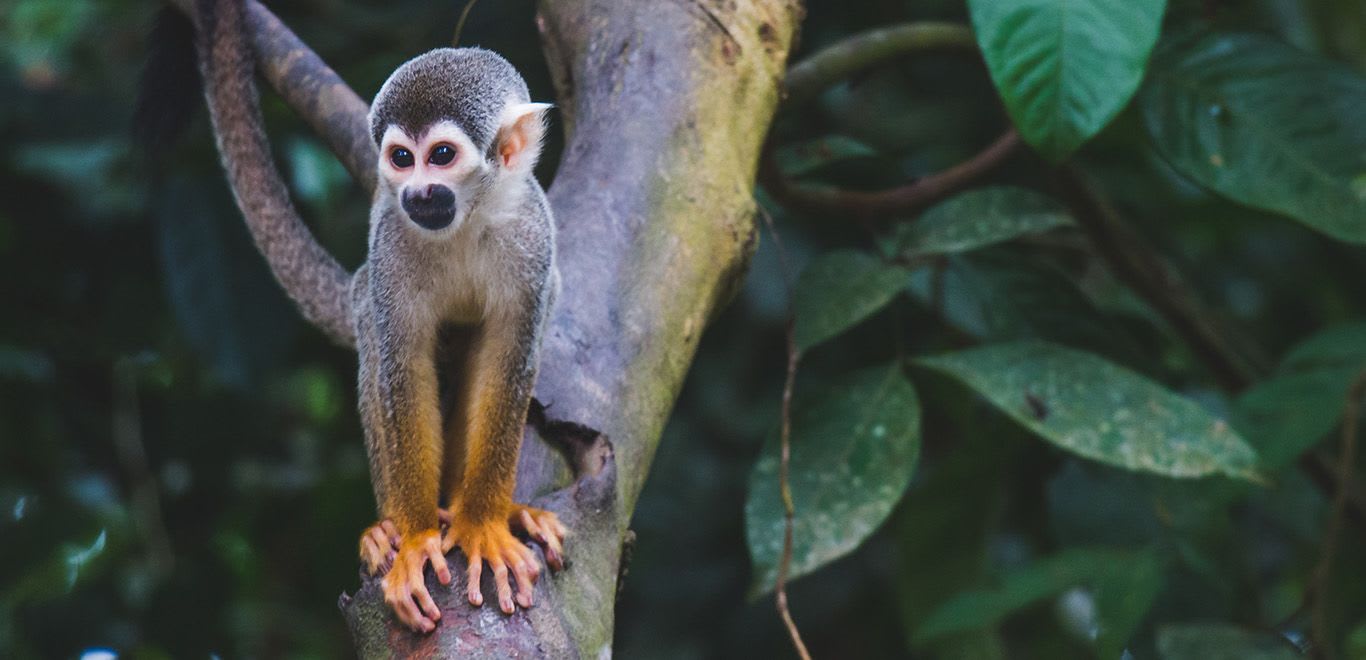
(401, 158)
(442, 155)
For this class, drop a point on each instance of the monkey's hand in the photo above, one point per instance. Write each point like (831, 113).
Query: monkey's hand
(404, 588)
(378, 547)
(543, 527)
(492, 541)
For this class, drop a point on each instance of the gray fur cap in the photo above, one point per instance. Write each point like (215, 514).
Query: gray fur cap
(469, 86)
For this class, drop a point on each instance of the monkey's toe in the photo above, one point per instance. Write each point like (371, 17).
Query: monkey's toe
(545, 528)
(378, 547)
(507, 557)
(405, 590)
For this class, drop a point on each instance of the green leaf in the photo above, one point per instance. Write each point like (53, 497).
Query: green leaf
(1220, 642)
(1065, 68)
(1099, 410)
(1106, 574)
(1123, 597)
(854, 448)
(801, 159)
(977, 219)
(1002, 294)
(839, 289)
(1265, 125)
(1302, 402)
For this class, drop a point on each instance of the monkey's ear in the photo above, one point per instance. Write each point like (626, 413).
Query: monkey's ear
(520, 133)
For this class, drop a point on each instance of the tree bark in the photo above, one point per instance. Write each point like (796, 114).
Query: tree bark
(665, 105)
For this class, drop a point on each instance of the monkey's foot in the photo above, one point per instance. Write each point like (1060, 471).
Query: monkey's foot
(492, 541)
(404, 588)
(378, 546)
(544, 527)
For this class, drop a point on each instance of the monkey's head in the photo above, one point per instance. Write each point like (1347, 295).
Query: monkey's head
(454, 128)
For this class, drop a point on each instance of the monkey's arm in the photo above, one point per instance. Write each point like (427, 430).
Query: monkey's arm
(398, 396)
(311, 276)
(500, 377)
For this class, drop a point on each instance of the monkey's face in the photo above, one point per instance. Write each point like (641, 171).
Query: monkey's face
(436, 176)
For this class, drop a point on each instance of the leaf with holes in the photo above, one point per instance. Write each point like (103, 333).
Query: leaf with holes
(855, 442)
(1099, 410)
(839, 289)
(1265, 125)
(1065, 68)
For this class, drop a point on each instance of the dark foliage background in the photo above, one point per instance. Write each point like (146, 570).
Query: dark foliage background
(181, 467)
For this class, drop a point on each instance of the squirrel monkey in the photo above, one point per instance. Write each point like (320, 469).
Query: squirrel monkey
(447, 312)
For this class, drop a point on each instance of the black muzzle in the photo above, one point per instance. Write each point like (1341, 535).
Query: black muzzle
(431, 208)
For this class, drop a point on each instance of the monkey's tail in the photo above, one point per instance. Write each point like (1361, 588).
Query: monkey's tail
(312, 277)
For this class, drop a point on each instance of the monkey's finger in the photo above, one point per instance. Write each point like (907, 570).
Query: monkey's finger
(424, 600)
(528, 557)
(476, 570)
(392, 531)
(557, 528)
(529, 525)
(443, 572)
(525, 572)
(417, 587)
(381, 538)
(406, 611)
(368, 552)
(554, 552)
(500, 580)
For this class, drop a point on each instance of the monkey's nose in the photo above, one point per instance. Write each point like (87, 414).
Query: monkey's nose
(432, 207)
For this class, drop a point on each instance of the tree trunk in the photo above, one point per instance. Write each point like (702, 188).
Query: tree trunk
(665, 105)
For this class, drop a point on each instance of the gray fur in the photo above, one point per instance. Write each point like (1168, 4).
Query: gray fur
(467, 85)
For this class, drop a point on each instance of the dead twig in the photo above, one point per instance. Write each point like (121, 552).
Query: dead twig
(785, 450)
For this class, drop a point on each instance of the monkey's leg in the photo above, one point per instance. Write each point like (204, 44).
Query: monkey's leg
(501, 374)
(379, 542)
(402, 428)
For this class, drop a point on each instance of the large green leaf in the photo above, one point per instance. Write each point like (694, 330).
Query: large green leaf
(1265, 125)
(977, 219)
(1122, 586)
(854, 447)
(1065, 68)
(1000, 294)
(1302, 402)
(839, 289)
(1220, 642)
(1099, 410)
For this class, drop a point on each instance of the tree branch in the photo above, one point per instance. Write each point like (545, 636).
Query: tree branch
(910, 198)
(846, 58)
